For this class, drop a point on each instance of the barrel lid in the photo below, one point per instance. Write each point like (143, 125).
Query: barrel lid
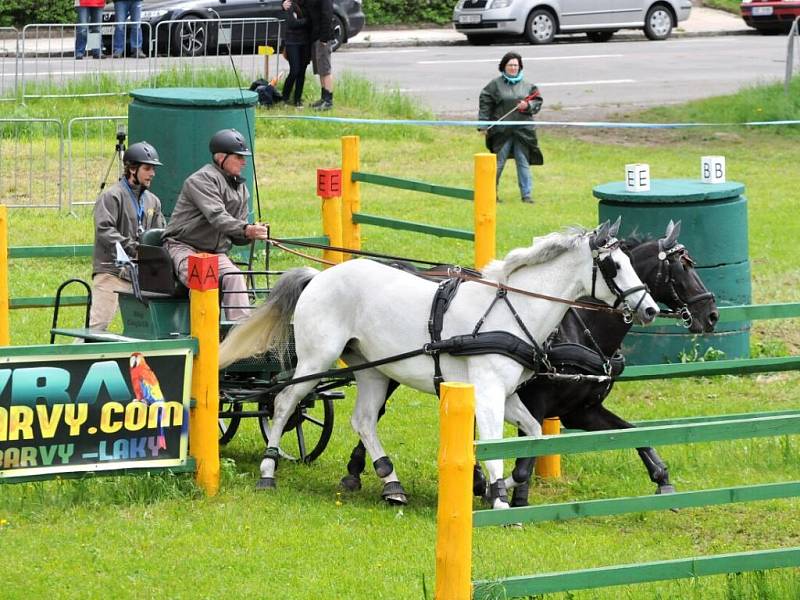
(670, 191)
(196, 96)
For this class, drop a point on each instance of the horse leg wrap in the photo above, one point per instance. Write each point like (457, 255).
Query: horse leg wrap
(520, 495)
(394, 493)
(268, 483)
(352, 481)
(657, 469)
(478, 481)
(383, 467)
(497, 490)
(523, 469)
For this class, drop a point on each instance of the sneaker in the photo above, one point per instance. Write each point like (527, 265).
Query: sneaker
(79, 57)
(298, 104)
(317, 104)
(116, 55)
(323, 105)
(139, 54)
(527, 200)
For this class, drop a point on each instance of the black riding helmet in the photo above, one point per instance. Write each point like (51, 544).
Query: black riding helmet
(142, 153)
(228, 141)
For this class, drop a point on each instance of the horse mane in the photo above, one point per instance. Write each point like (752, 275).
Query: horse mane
(543, 249)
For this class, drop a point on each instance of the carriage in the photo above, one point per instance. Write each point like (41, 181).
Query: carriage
(159, 309)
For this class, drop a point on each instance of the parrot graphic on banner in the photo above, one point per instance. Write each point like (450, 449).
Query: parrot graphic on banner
(147, 389)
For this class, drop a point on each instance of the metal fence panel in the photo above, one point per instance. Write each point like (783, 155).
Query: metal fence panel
(9, 63)
(95, 146)
(197, 45)
(50, 69)
(31, 153)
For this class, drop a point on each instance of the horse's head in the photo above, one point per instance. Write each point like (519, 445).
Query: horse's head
(668, 270)
(618, 282)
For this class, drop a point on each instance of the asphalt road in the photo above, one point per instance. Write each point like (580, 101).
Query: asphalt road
(578, 80)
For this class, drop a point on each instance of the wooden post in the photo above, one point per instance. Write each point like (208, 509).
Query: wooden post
(203, 419)
(549, 467)
(485, 207)
(351, 193)
(329, 188)
(454, 513)
(5, 329)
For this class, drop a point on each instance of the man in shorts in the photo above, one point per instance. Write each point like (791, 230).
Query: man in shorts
(320, 13)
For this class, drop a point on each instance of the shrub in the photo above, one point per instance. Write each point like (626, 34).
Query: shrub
(380, 12)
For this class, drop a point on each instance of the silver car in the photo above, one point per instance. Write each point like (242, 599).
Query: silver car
(482, 21)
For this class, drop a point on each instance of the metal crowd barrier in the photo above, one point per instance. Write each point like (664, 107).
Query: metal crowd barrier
(9, 63)
(31, 155)
(195, 44)
(94, 156)
(794, 32)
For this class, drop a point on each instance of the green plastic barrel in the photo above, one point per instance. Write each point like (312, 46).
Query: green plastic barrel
(714, 231)
(179, 122)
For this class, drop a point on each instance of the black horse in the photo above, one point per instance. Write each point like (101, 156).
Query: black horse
(588, 342)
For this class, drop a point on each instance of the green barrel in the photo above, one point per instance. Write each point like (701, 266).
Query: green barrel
(179, 122)
(714, 231)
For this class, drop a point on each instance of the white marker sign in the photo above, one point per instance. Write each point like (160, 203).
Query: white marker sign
(712, 169)
(637, 178)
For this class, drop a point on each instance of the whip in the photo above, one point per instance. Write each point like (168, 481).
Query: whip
(528, 98)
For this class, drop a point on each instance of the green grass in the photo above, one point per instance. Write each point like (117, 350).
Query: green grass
(150, 536)
(731, 6)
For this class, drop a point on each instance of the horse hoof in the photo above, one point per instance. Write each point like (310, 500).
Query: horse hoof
(665, 489)
(350, 483)
(266, 483)
(394, 494)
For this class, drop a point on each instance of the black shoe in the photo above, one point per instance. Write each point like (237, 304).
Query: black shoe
(324, 105)
(298, 104)
(317, 104)
(527, 200)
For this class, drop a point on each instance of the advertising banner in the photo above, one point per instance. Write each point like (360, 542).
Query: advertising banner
(80, 412)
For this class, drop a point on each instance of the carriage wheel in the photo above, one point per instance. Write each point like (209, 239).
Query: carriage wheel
(228, 426)
(307, 432)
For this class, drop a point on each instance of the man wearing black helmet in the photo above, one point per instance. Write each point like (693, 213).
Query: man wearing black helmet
(121, 214)
(211, 216)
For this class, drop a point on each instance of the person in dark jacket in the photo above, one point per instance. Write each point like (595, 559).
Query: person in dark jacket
(512, 98)
(298, 50)
(121, 214)
(320, 12)
(211, 216)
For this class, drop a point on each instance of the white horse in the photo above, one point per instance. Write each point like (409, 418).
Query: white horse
(363, 311)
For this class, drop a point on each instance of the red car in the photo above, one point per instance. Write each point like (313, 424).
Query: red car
(770, 16)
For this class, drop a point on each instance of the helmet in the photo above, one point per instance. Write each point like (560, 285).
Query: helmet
(142, 153)
(228, 141)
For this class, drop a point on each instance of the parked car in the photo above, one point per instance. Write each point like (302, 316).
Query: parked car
(196, 37)
(770, 17)
(482, 21)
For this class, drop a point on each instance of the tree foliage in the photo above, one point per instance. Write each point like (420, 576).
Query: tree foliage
(18, 13)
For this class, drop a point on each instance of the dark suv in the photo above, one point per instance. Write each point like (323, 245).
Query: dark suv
(193, 36)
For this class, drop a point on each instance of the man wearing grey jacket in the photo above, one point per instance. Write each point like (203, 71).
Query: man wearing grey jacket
(121, 214)
(211, 216)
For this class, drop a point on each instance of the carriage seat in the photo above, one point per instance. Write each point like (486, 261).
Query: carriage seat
(155, 267)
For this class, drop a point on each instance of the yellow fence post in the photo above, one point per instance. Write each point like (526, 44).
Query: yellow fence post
(549, 467)
(203, 421)
(329, 188)
(454, 513)
(351, 193)
(5, 329)
(485, 207)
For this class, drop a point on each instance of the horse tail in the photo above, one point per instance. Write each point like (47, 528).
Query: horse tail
(269, 327)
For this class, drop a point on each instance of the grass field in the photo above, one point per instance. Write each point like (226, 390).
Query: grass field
(155, 536)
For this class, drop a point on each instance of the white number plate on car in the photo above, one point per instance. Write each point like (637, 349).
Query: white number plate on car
(762, 11)
(469, 19)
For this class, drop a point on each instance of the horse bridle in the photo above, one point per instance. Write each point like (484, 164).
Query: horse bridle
(608, 269)
(665, 276)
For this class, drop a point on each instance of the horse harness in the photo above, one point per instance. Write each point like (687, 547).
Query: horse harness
(666, 276)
